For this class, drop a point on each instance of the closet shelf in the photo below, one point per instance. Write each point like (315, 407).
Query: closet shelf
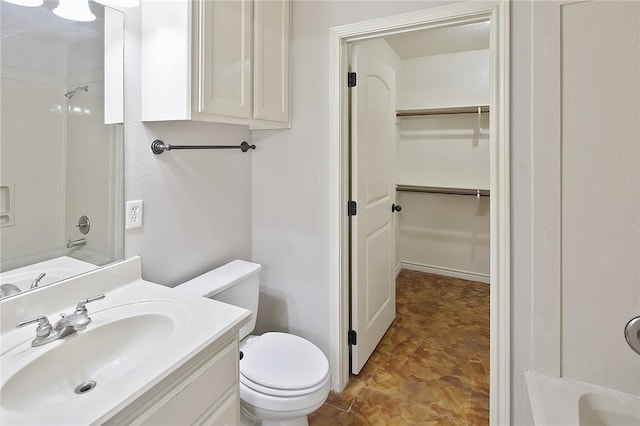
(443, 190)
(470, 109)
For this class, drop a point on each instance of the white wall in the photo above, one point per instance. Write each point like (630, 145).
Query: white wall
(90, 150)
(197, 204)
(288, 228)
(600, 162)
(33, 161)
(446, 234)
(291, 185)
(521, 205)
(291, 194)
(438, 81)
(444, 150)
(380, 49)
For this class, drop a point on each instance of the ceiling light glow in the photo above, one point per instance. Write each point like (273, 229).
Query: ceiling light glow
(119, 3)
(28, 3)
(74, 10)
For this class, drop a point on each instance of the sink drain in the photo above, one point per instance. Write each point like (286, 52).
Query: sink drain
(85, 387)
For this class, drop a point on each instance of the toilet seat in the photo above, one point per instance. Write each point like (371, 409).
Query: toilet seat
(281, 364)
(282, 392)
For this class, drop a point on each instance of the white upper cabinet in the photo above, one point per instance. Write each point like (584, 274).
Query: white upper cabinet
(221, 61)
(271, 60)
(222, 56)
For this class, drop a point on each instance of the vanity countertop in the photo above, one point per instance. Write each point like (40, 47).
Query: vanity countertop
(140, 333)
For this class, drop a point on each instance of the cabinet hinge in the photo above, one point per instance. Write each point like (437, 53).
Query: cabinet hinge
(351, 208)
(353, 337)
(351, 79)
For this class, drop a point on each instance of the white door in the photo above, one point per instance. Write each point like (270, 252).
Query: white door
(373, 290)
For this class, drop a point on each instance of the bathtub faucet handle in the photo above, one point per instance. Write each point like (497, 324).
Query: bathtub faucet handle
(632, 334)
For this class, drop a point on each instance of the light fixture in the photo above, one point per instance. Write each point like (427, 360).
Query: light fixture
(28, 3)
(119, 3)
(75, 10)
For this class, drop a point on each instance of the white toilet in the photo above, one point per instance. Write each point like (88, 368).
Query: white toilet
(283, 378)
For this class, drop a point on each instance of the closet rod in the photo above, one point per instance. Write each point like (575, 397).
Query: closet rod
(158, 147)
(442, 111)
(443, 190)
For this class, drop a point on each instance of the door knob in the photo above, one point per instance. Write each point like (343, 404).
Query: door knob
(395, 208)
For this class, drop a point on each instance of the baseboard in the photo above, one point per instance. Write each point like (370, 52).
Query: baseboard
(436, 270)
(398, 269)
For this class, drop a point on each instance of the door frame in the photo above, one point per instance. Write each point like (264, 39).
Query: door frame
(497, 11)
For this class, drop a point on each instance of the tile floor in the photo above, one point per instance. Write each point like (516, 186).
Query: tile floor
(431, 367)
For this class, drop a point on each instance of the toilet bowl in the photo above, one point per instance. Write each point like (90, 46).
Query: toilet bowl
(283, 377)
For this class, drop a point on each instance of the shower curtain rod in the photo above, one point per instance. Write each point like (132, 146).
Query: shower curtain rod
(443, 190)
(158, 147)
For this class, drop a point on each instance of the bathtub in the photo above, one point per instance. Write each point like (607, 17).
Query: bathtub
(558, 401)
(55, 269)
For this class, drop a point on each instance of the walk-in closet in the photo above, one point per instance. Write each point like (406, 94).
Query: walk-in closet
(442, 151)
(420, 218)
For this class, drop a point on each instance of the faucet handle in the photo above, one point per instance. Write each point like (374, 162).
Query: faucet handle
(44, 326)
(81, 308)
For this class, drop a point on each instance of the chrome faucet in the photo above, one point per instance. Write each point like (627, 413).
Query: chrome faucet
(35, 282)
(68, 324)
(80, 242)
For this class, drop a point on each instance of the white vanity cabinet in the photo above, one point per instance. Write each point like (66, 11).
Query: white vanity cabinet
(151, 355)
(205, 390)
(221, 61)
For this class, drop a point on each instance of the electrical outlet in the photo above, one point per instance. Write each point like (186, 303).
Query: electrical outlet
(133, 214)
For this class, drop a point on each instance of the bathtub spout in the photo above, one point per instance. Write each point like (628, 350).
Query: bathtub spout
(35, 282)
(80, 242)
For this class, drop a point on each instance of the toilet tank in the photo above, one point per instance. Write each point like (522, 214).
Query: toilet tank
(236, 283)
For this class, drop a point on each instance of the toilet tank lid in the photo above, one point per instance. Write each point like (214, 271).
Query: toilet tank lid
(219, 279)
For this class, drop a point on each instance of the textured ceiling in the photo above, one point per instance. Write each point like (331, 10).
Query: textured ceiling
(439, 41)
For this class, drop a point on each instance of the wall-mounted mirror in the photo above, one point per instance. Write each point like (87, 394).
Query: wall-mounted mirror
(61, 184)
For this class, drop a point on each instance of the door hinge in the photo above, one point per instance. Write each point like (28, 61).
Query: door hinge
(353, 337)
(351, 79)
(351, 208)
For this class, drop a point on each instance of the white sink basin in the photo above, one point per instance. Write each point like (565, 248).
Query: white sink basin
(118, 340)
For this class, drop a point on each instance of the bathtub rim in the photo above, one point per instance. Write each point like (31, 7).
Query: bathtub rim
(549, 397)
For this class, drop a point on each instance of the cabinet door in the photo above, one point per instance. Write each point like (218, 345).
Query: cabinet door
(165, 56)
(201, 393)
(272, 26)
(224, 38)
(227, 414)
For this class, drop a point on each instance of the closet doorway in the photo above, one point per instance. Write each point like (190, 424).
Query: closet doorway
(419, 139)
(373, 246)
